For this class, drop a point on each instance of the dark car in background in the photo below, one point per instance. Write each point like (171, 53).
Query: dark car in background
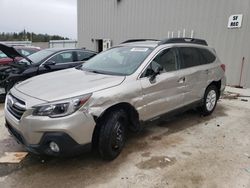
(23, 50)
(41, 62)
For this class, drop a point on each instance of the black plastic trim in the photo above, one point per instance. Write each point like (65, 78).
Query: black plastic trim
(68, 146)
(184, 40)
(138, 40)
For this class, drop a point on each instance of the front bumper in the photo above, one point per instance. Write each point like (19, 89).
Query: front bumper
(67, 145)
(35, 132)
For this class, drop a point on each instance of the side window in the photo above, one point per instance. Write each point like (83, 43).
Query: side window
(167, 59)
(83, 56)
(64, 57)
(208, 56)
(2, 55)
(190, 57)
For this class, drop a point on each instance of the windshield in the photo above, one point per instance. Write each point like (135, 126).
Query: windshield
(38, 56)
(118, 61)
(26, 51)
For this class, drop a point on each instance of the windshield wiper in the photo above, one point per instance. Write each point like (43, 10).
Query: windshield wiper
(97, 72)
(102, 72)
(79, 67)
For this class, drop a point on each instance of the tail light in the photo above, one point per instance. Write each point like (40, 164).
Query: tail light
(223, 66)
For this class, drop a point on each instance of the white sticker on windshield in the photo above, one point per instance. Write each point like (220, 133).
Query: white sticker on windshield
(139, 49)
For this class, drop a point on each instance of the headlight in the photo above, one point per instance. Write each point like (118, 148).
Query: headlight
(61, 108)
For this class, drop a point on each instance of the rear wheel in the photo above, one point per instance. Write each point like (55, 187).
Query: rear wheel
(210, 100)
(112, 134)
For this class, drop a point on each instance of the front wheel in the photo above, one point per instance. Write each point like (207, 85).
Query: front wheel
(2, 98)
(210, 100)
(112, 134)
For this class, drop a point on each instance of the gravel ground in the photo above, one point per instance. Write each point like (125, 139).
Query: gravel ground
(184, 151)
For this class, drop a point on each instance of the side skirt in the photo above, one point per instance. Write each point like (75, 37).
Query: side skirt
(174, 112)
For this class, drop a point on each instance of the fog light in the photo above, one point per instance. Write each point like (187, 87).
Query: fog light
(54, 147)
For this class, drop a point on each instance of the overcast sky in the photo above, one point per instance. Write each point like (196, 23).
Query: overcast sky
(57, 17)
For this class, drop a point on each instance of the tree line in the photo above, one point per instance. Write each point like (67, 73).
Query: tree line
(29, 36)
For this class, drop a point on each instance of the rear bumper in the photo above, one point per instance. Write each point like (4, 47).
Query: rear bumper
(68, 146)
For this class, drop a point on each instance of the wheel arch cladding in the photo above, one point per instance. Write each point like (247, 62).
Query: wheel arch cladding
(133, 117)
(218, 86)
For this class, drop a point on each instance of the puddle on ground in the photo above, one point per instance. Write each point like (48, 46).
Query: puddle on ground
(197, 180)
(146, 154)
(186, 153)
(156, 138)
(10, 145)
(156, 162)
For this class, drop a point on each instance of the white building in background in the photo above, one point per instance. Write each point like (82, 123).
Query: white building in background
(225, 24)
(62, 44)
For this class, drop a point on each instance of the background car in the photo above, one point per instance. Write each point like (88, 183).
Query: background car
(44, 61)
(26, 51)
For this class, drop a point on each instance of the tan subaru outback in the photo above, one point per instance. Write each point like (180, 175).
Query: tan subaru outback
(95, 104)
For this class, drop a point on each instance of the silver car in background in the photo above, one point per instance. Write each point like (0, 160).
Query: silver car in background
(97, 103)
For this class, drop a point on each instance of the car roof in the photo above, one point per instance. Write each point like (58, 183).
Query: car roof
(66, 49)
(189, 42)
(150, 44)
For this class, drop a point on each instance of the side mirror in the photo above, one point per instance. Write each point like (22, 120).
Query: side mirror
(157, 69)
(49, 63)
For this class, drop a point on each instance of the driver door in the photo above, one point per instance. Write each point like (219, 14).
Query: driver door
(166, 91)
(60, 61)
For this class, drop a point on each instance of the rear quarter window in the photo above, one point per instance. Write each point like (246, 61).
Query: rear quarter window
(208, 56)
(83, 56)
(190, 57)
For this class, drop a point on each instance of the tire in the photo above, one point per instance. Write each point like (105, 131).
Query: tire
(112, 134)
(2, 98)
(210, 100)
(9, 86)
(7, 89)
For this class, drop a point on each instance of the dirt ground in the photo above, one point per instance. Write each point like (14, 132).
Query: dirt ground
(186, 151)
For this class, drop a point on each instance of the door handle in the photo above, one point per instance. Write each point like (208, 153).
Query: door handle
(182, 80)
(207, 71)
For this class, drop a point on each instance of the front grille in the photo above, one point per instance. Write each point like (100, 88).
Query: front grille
(15, 106)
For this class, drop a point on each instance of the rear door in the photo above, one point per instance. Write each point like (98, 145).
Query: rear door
(195, 72)
(166, 92)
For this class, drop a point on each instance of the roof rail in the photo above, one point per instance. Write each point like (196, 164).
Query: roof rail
(184, 40)
(138, 40)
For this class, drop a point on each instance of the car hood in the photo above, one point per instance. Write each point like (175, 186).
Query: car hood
(66, 84)
(12, 52)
